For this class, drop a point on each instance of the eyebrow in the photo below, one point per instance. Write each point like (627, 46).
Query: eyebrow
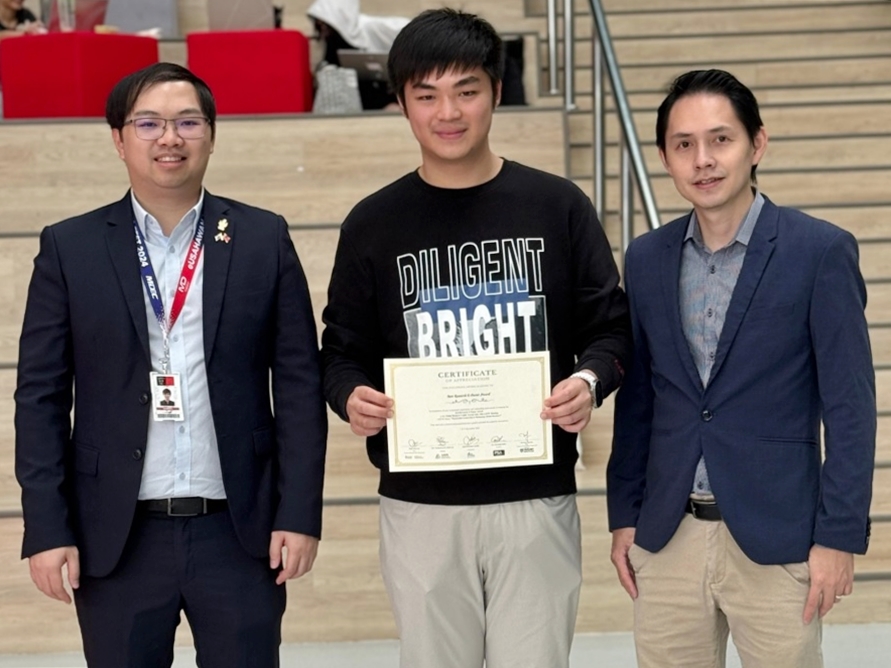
(191, 111)
(466, 81)
(712, 131)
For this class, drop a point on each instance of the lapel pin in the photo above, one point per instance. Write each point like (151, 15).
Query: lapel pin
(222, 235)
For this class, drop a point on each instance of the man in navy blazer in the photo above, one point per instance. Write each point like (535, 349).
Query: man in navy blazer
(208, 507)
(750, 335)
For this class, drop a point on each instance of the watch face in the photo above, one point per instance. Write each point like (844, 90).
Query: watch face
(594, 387)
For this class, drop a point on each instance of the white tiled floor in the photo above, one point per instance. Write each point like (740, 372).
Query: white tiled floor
(844, 645)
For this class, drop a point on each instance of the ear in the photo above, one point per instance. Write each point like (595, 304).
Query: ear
(118, 139)
(760, 145)
(497, 91)
(664, 160)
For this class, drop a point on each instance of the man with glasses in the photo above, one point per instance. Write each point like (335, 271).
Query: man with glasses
(207, 506)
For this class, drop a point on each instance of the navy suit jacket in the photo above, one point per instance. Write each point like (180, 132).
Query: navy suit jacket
(85, 341)
(794, 351)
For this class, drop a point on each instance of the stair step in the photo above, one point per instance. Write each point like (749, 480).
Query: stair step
(612, 7)
(864, 222)
(684, 52)
(883, 438)
(875, 258)
(853, 70)
(841, 93)
(315, 248)
(851, 187)
(880, 338)
(823, 121)
(763, 20)
(878, 302)
(10, 493)
(782, 155)
(883, 398)
(343, 598)
(878, 557)
(306, 168)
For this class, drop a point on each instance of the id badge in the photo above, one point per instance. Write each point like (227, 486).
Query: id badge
(166, 397)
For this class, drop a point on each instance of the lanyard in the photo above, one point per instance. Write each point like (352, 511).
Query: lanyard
(150, 282)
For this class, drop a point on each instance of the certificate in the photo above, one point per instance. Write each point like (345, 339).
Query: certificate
(456, 413)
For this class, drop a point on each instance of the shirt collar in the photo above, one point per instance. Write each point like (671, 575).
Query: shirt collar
(151, 229)
(743, 234)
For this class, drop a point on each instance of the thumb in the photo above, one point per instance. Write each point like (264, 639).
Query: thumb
(275, 551)
(74, 569)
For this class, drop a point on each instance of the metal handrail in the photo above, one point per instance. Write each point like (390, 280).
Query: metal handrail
(630, 144)
(552, 47)
(631, 157)
(568, 53)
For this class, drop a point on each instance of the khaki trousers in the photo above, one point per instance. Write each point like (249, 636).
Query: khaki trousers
(701, 586)
(496, 583)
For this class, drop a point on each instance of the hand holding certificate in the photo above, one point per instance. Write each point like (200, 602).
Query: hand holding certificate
(468, 412)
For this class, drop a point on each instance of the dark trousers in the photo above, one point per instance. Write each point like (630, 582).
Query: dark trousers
(196, 565)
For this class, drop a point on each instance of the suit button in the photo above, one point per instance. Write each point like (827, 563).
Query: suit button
(137, 454)
(707, 415)
(144, 398)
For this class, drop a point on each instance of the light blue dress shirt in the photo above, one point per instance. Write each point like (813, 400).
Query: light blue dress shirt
(181, 458)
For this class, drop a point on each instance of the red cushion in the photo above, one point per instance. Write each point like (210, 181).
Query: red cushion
(67, 74)
(254, 71)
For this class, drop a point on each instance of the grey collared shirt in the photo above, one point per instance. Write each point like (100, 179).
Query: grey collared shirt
(706, 286)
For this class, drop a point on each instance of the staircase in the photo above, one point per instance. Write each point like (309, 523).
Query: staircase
(822, 72)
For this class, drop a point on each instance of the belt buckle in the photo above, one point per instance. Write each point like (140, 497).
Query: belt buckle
(694, 509)
(696, 505)
(170, 512)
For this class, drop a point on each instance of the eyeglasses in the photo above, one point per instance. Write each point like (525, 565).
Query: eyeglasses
(151, 129)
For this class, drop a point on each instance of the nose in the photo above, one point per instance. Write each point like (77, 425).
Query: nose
(448, 108)
(170, 136)
(704, 156)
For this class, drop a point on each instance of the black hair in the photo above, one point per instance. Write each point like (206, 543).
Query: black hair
(714, 82)
(126, 91)
(439, 40)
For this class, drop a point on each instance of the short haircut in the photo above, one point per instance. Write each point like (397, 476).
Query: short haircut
(123, 96)
(711, 82)
(439, 40)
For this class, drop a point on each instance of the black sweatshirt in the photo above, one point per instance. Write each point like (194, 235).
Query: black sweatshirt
(519, 263)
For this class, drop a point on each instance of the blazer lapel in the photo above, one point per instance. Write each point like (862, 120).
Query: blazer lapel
(671, 276)
(121, 241)
(761, 247)
(217, 253)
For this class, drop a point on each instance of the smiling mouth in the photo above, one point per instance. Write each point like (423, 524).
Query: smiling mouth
(704, 183)
(450, 134)
(170, 159)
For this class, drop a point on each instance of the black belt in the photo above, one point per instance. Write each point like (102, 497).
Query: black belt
(183, 506)
(704, 510)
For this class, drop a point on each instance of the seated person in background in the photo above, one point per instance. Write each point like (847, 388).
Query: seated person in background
(15, 20)
(340, 25)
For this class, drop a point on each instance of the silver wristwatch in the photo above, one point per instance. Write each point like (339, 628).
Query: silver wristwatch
(594, 386)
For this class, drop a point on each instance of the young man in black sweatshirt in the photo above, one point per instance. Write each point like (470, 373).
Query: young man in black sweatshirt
(474, 255)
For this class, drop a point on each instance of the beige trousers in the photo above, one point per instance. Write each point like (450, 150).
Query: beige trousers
(496, 583)
(701, 586)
